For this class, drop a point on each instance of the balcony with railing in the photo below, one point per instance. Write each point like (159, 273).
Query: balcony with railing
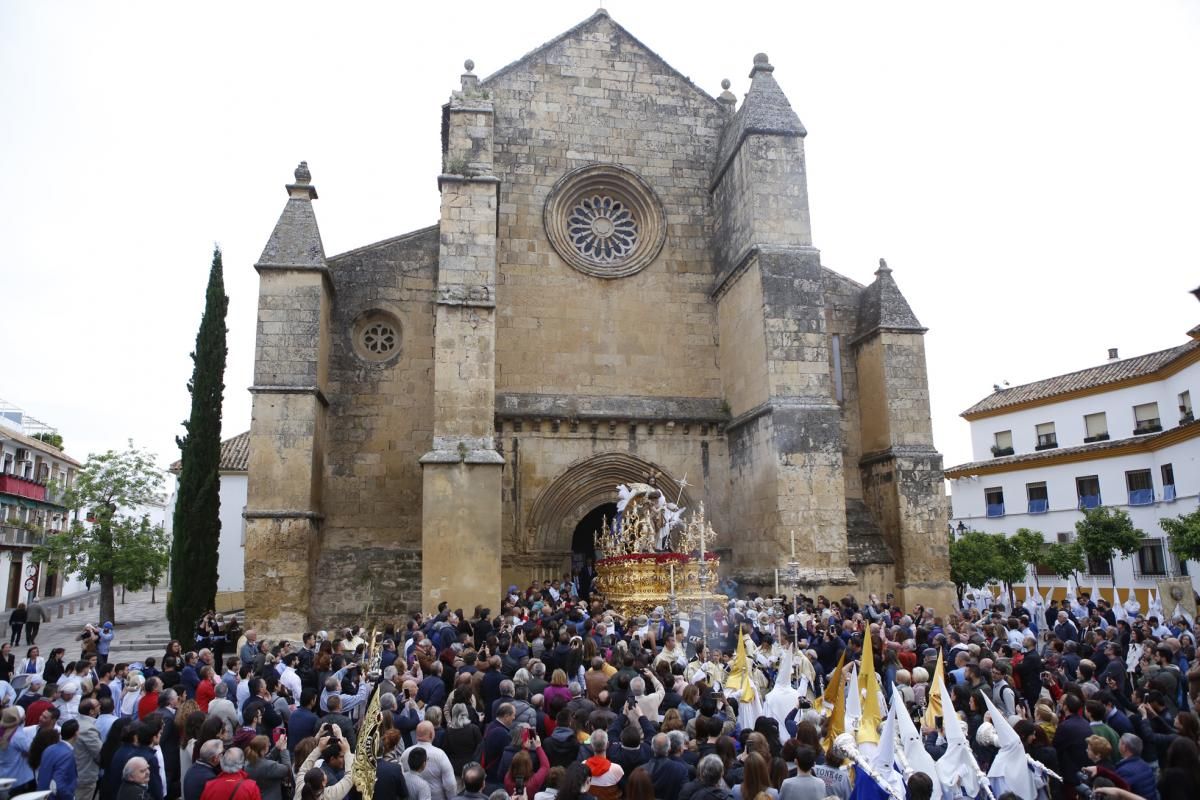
(1169, 492)
(23, 487)
(1089, 501)
(16, 536)
(1039, 506)
(995, 509)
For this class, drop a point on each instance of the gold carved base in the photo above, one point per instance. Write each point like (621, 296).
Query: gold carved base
(638, 583)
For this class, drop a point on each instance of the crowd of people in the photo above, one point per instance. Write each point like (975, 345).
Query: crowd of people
(559, 697)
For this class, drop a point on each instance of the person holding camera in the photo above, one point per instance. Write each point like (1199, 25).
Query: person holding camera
(336, 758)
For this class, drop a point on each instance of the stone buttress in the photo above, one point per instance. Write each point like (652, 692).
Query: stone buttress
(283, 504)
(460, 517)
(901, 469)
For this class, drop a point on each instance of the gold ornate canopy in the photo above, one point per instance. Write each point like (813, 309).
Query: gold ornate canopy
(634, 576)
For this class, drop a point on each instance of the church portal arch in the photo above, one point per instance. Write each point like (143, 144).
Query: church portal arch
(585, 485)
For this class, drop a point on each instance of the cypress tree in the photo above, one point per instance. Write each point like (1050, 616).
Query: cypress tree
(197, 523)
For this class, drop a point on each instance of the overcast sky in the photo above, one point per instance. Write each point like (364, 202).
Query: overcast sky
(1029, 170)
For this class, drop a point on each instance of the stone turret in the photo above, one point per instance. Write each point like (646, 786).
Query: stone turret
(461, 474)
(901, 470)
(775, 345)
(283, 504)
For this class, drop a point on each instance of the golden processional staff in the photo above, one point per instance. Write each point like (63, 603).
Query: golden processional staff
(370, 746)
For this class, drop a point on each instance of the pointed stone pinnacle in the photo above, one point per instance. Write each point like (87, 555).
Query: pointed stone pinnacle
(884, 269)
(303, 176)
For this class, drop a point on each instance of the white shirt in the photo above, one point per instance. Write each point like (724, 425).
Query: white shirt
(243, 694)
(438, 772)
(291, 680)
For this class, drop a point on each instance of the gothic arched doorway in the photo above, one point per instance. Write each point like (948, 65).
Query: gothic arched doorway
(583, 541)
(570, 507)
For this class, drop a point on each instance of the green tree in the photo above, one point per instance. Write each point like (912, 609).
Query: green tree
(1104, 533)
(110, 547)
(197, 523)
(1183, 535)
(147, 564)
(1029, 546)
(52, 439)
(1064, 559)
(1010, 566)
(973, 558)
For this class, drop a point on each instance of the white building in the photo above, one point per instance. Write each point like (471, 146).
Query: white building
(235, 454)
(1121, 434)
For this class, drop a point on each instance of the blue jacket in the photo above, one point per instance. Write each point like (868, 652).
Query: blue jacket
(1140, 777)
(58, 765)
(301, 724)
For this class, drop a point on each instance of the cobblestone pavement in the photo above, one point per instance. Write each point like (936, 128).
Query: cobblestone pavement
(140, 627)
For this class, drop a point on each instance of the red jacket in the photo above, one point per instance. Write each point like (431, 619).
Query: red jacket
(205, 693)
(148, 705)
(223, 786)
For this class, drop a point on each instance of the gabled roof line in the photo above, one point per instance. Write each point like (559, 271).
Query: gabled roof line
(385, 242)
(1132, 371)
(571, 31)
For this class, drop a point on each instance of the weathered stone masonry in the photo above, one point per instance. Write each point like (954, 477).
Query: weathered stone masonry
(476, 388)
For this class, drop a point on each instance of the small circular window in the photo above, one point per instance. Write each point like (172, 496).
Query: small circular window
(605, 221)
(377, 336)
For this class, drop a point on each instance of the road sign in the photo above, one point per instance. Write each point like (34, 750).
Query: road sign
(31, 570)
(29, 584)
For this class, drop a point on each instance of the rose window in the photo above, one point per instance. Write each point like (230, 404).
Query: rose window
(603, 229)
(379, 338)
(376, 336)
(604, 221)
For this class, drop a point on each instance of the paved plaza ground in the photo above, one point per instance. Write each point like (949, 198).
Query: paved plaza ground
(140, 626)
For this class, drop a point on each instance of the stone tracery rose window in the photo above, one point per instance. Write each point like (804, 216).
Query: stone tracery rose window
(605, 221)
(380, 339)
(602, 228)
(376, 336)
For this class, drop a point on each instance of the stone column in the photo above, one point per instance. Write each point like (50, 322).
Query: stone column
(460, 517)
(283, 504)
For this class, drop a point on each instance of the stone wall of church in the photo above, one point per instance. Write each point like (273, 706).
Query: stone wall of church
(380, 422)
(841, 319)
(598, 96)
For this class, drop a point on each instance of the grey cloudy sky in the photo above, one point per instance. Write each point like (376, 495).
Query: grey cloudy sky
(1029, 170)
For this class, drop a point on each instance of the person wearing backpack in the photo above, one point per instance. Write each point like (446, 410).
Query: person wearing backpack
(1003, 693)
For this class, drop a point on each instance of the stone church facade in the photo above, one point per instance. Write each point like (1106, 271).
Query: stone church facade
(622, 286)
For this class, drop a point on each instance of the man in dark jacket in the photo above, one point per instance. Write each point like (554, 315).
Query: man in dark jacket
(1133, 768)
(389, 781)
(667, 775)
(561, 746)
(304, 721)
(1070, 740)
(203, 770)
(168, 701)
(495, 740)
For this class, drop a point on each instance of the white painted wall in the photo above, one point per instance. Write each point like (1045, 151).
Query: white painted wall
(232, 547)
(969, 505)
(1068, 415)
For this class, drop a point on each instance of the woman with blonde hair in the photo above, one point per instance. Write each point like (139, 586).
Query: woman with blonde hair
(756, 778)
(269, 766)
(672, 721)
(557, 688)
